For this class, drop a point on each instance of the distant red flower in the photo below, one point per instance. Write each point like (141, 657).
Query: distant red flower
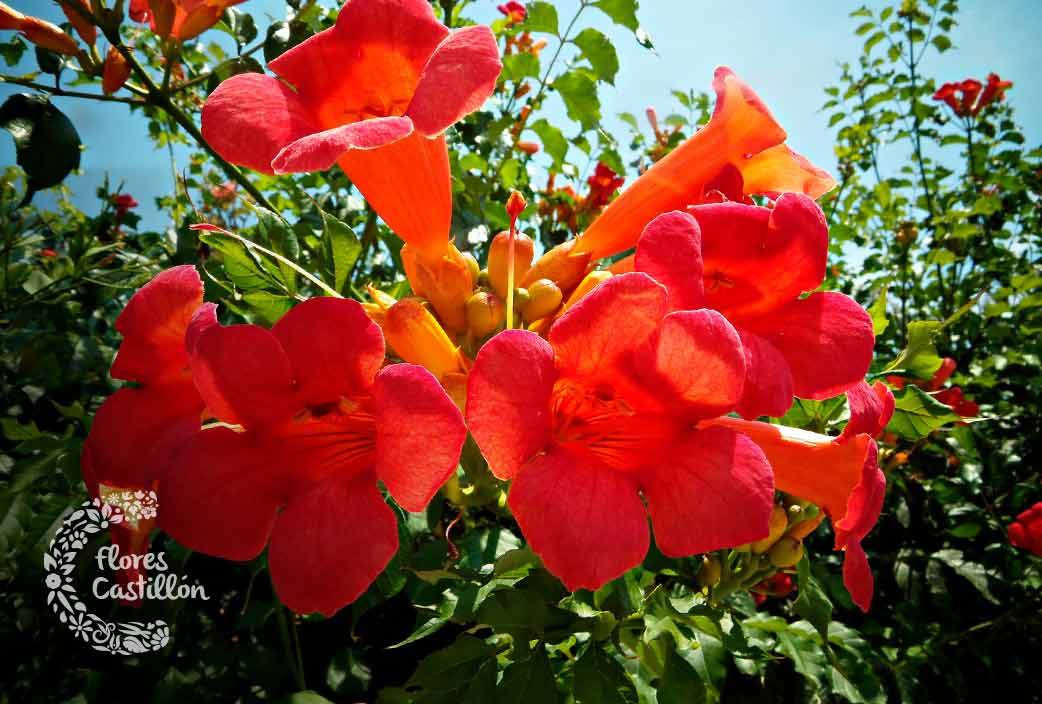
(777, 586)
(375, 94)
(528, 147)
(515, 12)
(224, 192)
(969, 97)
(1026, 531)
(123, 202)
(952, 397)
(139, 425)
(603, 184)
(320, 423)
(605, 412)
(48, 252)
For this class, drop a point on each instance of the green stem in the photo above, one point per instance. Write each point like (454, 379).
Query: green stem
(291, 657)
(54, 90)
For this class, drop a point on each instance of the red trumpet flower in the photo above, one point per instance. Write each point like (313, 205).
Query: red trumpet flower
(1026, 531)
(318, 422)
(969, 97)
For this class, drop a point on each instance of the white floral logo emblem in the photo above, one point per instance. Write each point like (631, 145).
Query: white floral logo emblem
(60, 561)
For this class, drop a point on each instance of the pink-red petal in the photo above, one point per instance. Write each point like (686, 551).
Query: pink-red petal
(826, 338)
(330, 543)
(333, 347)
(695, 363)
(250, 117)
(508, 399)
(712, 489)
(460, 75)
(419, 434)
(670, 251)
(219, 494)
(870, 409)
(768, 382)
(153, 326)
(599, 334)
(585, 520)
(320, 150)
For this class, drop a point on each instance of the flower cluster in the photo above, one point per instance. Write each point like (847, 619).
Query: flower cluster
(967, 98)
(1026, 531)
(952, 396)
(605, 396)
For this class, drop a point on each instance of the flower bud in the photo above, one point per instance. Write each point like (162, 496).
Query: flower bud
(560, 266)
(527, 147)
(590, 282)
(799, 531)
(498, 258)
(472, 264)
(779, 522)
(87, 31)
(442, 278)
(416, 336)
(544, 298)
(10, 18)
(786, 552)
(115, 73)
(48, 36)
(709, 574)
(485, 314)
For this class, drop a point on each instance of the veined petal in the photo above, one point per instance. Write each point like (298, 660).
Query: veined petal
(417, 337)
(220, 494)
(694, 361)
(712, 489)
(408, 184)
(334, 348)
(438, 272)
(768, 382)
(585, 520)
(779, 170)
(242, 373)
(153, 326)
(670, 251)
(508, 399)
(460, 75)
(600, 333)
(826, 338)
(870, 409)
(760, 259)
(320, 150)
(330, 543)
(250, 117)
(378, 49)
(419, 434)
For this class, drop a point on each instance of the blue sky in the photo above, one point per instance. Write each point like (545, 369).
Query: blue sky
(788, 50)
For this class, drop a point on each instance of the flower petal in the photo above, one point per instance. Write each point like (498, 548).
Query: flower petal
(712, 489)
(242, 373)
(334, 348)
(870, 409)
(768, 382)
(408, 183)
(250, 117)
(696, 362)
(153, 326)
(134, 430)
(378, 49)
(670, 251)
(330, 543)
(760, 259)
(780, 170)
(419, 434)
(585, 520)
(460, 75)
(508, 399)
(220, 494)
(826, 338)
(600, 333)
(320, 150)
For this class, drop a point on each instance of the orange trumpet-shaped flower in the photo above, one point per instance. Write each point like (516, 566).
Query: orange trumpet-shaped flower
(87, 31)
(45, 35)
(115, 72)
(374, 93)
(741, 151)
(179, 19)
(443, 278)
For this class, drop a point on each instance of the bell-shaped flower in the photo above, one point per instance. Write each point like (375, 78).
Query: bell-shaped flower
(374, 93)
(138, 426)
(1026, 531)
(604, 412)
(310, 422)
(740, 151)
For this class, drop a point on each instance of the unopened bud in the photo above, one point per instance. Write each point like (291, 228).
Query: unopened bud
(48, 36)
(10, 18)
(116, 71)
(560, 266)
(779, 522)
(589, 282)
(521, 296)
(544, 298)
(515, 204)
(709, 574)
(417, 337)
(472, 264)
(498, 259)
(786, 552)
(484, 314)
(527, 148)
(87, 31)
(799, 531)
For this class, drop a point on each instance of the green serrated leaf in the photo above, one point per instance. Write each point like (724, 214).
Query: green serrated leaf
(554, 143)
(621, 12)
(579, 93)
(917, 414)
(342, 248)
(519, 66)
(445, 668)
(681, 683)
(812, 604)
(878, 312)
(600, 679)
(599, 51)
(919, 356)
(542, 17)
(527, 681)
